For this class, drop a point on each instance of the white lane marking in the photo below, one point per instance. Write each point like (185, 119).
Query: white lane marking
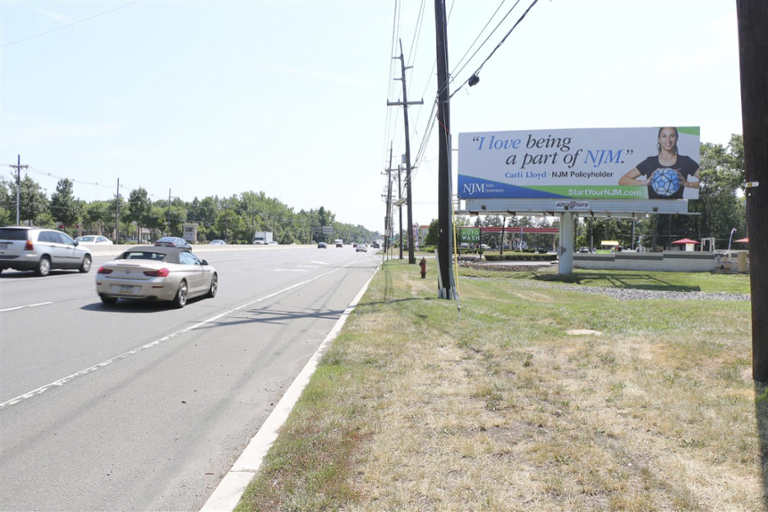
(319, 262)
(27, 306)
(288, 270)
(231, 488)
(69, 378)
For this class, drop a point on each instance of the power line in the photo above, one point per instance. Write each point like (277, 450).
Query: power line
(477, 71)
(71, 24)
(481, 33)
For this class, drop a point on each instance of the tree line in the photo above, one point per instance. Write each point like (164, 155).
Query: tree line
(234, 219)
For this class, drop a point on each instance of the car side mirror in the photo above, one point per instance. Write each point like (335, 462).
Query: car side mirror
(205, 262)
(76, 243)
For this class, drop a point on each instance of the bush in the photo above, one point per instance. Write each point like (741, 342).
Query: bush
(525, 256)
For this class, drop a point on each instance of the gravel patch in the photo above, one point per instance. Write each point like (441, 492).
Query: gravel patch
(632, 294)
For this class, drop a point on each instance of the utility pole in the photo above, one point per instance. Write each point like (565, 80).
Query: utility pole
(400, 208)
(444, 206)
(753, 47)
(117, 213)
(169, 213)
(18, 168)
(405, 103)
(388, 219)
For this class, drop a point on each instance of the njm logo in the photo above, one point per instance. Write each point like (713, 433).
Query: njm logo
(474, 188)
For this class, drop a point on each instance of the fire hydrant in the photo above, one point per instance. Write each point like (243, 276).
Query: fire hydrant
(423, 265)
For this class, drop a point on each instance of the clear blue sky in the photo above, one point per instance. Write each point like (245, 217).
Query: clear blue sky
(289, 97)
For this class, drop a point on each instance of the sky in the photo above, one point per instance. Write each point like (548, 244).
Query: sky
(207, 97)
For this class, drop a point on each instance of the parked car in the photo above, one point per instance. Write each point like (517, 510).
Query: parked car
(322, 245)
(484, 247)
(41, 250)
(173, 241)
(158, 273)
(93, 240)
(273, 242)
(361, 248)
(584, 249)
(218, 242)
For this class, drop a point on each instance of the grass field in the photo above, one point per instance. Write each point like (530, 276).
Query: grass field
(537, 399)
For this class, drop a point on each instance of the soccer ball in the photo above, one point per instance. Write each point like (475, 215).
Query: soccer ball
(665, 182)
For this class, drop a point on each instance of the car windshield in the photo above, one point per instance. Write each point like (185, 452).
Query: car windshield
(87, 238)
(142, 255)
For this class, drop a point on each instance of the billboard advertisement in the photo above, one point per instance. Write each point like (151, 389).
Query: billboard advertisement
(581, 164)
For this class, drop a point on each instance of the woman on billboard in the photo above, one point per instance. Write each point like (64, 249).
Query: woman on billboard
(667, 174)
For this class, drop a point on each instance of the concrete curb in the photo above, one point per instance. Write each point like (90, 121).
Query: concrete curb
(231, 488)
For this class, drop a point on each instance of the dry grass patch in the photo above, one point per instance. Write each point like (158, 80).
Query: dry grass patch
(505, 410)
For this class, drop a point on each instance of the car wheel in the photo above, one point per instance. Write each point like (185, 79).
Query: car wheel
(214, 287)
(86, 266)
(181, 296)
(43, 267)
(108, 300)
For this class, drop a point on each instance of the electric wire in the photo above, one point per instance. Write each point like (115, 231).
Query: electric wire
(69, 25)
(481, 33)
(477, 71)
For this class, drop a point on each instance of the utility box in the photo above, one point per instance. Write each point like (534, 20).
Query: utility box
(742, 262)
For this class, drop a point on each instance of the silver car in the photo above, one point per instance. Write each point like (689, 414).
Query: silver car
(156, 273)
(41, 250)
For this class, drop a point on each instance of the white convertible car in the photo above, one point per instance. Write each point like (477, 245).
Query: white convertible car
(156, 273)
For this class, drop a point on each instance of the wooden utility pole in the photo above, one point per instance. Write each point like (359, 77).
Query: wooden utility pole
(388, 220)
(753, 48)
(405, 103)
(400, 208)
(18, 168)
(117, 213)
(444, 206)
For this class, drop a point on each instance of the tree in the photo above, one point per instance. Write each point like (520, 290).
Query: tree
(64, 207)
(139, 206)
(7, 205)
(434, 229)
(33, 201)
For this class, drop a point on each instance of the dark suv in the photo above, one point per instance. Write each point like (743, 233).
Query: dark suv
(41, 250)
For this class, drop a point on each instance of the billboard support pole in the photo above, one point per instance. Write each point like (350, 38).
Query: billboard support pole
(566, 244)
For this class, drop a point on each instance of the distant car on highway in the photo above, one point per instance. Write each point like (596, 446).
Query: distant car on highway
(38, 249)
(375, 245)
(173, 241)
(158, 273)
(218, 242)
(93, 240)
(322, 245)
(361, 248)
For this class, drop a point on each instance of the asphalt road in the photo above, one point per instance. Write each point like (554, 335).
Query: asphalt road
(142, 407)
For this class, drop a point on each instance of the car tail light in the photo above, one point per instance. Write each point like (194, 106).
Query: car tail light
(163, 272)
(29, 246)
(103, 270)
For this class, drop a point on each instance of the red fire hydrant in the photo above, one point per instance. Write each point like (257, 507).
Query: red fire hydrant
(423, 265)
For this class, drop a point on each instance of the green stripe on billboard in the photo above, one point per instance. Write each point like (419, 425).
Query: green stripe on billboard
(597, 191)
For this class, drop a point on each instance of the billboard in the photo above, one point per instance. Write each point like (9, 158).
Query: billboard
(581, 164)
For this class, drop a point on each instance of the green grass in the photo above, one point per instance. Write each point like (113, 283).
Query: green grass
(669, 281)
(505, 410)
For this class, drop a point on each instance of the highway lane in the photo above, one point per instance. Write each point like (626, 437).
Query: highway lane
(161, 421)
